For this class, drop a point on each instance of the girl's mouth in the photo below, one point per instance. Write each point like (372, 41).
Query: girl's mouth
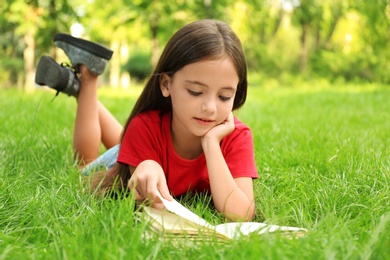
(203, 121)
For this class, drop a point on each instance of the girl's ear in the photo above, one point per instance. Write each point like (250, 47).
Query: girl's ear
(165, 82)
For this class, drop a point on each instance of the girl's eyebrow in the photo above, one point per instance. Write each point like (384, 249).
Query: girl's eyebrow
(195, 82)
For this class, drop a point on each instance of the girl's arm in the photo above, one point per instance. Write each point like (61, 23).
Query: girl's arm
(232, 197)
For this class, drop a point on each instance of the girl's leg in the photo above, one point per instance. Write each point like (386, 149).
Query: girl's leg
(111, 129)
(94, 123)
(87, 132)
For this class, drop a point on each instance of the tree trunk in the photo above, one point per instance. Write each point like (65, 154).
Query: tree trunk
(154, 30)
(304, 50)
(115, 65)
(28, 55)
(53, 26)
(331, 31)
(125, 76)
(318, 35)
(278, 21)
(207, 8)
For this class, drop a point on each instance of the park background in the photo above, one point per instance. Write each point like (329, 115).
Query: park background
(283, 39)
(318, 106)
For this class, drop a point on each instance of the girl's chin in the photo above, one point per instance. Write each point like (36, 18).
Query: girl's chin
(201, 133)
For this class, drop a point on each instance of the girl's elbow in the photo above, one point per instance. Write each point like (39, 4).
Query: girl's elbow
(246, 215)
(250, 213)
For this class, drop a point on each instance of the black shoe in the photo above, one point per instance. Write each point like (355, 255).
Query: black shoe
(59, 77)
(80, 51)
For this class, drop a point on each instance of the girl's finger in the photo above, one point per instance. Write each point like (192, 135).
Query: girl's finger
(165, 193)
(138, 195)
(130, 184)
(151, 189)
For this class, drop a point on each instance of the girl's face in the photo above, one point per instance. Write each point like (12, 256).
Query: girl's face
(202, 95)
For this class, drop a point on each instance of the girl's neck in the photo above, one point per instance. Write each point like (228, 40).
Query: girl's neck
(186, 146)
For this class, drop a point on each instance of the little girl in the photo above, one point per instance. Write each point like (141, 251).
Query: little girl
(181, 135)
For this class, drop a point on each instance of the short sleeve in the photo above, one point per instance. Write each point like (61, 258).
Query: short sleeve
(141, 141)
(238, 151)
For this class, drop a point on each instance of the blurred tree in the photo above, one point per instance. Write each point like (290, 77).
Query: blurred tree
(165, 17)
(332, 38)
(124, 21)
(318, 21)
(307, 14)
(331, 13)
(108, 24)
(30, 26)
(376, 35)
(24, 18)
(57, 17)
(11, 49)
(357, 48)
(265, 29)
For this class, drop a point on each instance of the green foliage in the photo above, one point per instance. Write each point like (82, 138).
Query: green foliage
(363, 66)
(328, 38)
(334, 66)
(12, 64)
(10, 69)
(139, 65)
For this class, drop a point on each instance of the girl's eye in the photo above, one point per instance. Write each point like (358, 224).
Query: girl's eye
(223, 98)
(194, 93)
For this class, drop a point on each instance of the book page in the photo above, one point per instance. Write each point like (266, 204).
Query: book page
(234, 229)
(175, 207)
(237, 229)
(170, 226)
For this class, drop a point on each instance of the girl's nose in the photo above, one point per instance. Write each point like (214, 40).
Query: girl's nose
(209, 106)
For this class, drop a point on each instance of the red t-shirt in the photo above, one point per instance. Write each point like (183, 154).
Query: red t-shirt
(148, 137)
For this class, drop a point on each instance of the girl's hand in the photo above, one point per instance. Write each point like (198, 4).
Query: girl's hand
(218, 132)
(146, 179)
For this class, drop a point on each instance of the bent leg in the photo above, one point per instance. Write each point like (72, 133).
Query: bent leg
(87, 132)
(111, 129)
(94, 123)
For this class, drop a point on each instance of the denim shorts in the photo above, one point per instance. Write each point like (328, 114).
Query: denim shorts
(104, 162)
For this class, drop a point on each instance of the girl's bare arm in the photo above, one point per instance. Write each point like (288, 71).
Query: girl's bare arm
(232, 197)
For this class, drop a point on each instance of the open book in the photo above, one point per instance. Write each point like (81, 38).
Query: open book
(179, 222)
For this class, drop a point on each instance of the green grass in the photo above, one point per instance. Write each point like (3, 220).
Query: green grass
(322, 154)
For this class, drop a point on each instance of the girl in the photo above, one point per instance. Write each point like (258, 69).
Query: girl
(181, 135)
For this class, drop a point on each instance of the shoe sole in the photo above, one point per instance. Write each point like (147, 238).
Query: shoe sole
(48, 73)
(94, 48)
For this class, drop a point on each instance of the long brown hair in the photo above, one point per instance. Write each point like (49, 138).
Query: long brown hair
(200, 40)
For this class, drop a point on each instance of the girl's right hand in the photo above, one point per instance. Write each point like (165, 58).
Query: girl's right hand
(145, 180)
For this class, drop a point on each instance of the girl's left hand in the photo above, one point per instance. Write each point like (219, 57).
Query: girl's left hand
(218, 132)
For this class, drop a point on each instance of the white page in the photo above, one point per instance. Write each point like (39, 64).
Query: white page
(236, 229)
(231, 230)
(175, 207)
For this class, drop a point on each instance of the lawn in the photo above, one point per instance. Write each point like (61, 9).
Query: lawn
(322, 154)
